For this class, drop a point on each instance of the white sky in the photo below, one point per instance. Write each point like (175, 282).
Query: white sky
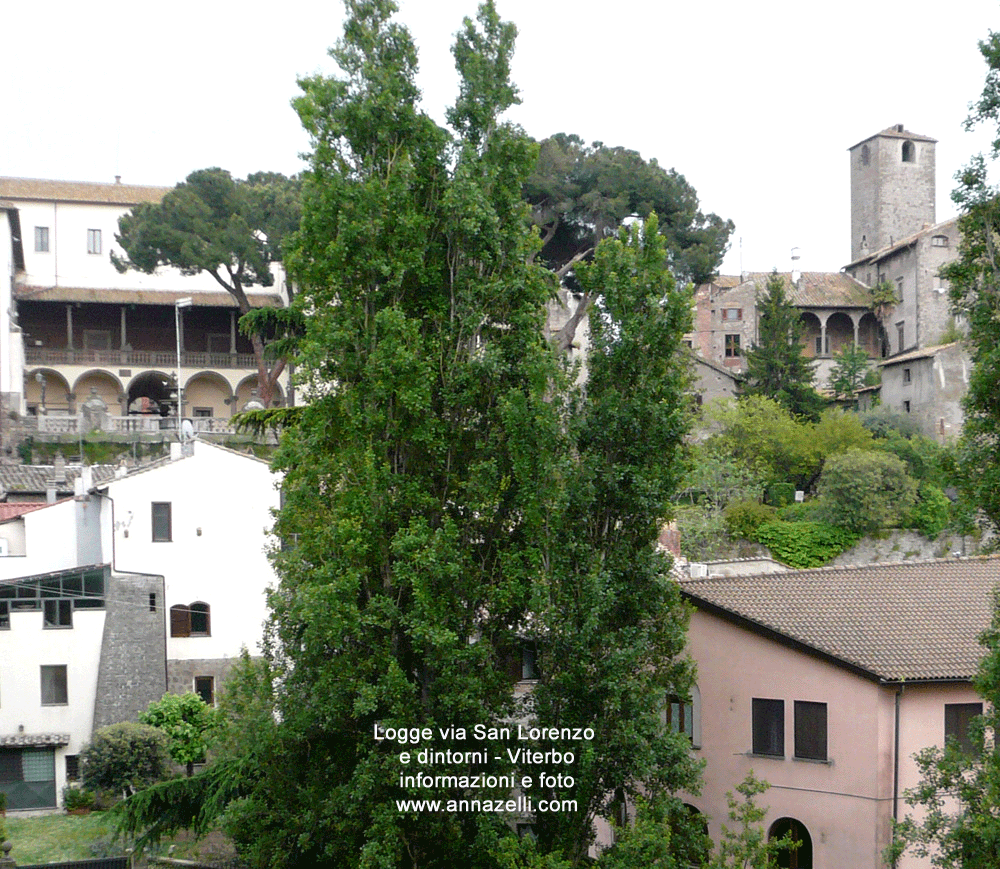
(755, 103)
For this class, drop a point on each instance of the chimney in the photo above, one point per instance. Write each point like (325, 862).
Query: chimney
(118, 179)
(796, 274)
(59, 469)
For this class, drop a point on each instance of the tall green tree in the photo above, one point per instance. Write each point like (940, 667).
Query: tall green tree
(850, 372)
(227, 228)
(187, 721)
(974, 279)
(608, 620)
(776, 367)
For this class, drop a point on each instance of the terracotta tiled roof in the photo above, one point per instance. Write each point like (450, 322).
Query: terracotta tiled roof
(34, 478)
(36, 189)
(19, 508)
(818, 289)
(914, 621)
(141, 297)
(881, 253)
(894, 132)
(922, 353)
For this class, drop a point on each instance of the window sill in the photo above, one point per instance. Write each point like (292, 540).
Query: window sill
(766, 756)
(61, 703)
(57, 627)
(825, 762)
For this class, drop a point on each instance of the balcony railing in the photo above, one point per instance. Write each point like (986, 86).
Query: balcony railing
(137, 358)
(54, 424)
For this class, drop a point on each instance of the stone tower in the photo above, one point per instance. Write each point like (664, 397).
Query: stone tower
(892, 189)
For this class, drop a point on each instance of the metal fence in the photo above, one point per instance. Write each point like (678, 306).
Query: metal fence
(96, 863)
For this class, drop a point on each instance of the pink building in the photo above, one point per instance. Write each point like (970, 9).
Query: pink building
(826, 683)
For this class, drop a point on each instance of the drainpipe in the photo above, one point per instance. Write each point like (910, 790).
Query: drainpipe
(895, 759)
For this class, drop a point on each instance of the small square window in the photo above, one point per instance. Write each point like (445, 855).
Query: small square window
(769, 727)
(810, 730)
(93, 241)
(54, 690)
(161, 522)
(732, 346)
(732, 314)
(204, 687)
(41, 239)
(958, 721)
(58, 614)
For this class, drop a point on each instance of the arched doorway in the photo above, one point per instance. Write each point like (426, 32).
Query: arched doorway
(800, 857)
(151, 393)
(839, 332)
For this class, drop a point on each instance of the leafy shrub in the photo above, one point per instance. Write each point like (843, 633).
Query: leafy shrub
(865, 491)
(932, 512)
(743, 518)
(77, 798)
(124, 757)
(804, 544)
(703, 533)
(780, 494)
(802, 511)
(187, 721)
(883, 419)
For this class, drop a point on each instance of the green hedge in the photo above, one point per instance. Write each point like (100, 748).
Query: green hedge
(804, 544)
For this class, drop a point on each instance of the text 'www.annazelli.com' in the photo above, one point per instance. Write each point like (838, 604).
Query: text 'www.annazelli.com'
(521, 804)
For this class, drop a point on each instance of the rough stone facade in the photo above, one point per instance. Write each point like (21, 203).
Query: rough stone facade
(182, 673)
(131, 673)
(928, 385)
(892, 188)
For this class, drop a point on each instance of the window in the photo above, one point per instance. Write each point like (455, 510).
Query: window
(906, 407)
(4, 615)
(190, 621)
(41, 239)
(680, 716)
(906, 375)
(732, 313)
(909, 152)
(957, 721)
(58, 614)
(822, 347)
(54, 691)
(72, 767)
(204, 687)
(939, 241)
(899, 289)
(866, 155)
(203, 412)
(161, 522)
(769, 727)
(810, 730)
(152, 601)
(93, 241)
(732, 346)
(900, 336)
(200, 619)
(96, 339)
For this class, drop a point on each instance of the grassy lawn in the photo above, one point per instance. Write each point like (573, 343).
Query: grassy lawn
(60, 836)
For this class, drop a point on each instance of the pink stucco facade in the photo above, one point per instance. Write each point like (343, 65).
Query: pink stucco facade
(845, 803)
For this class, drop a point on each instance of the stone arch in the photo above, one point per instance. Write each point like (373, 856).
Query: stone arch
(158, 390)
(57, 391)
(909, 152)
(244, 392)
(812, 331)
(870, 335)
(208, 391)
(839, 332)
(792, 858)
(107, 386)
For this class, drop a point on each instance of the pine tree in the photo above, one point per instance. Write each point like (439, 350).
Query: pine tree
(776, 367)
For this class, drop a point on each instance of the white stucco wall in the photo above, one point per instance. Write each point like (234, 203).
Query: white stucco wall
(24, 649)
(50, 540)
(220, 510)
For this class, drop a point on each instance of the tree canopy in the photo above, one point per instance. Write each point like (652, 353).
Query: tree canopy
(974, 278)
(230, 229)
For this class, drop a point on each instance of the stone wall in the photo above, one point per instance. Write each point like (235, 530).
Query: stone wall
(131, 673)
(181, 673)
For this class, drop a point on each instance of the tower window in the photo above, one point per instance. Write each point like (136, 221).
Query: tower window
(939, 241)
(909, 152)
(866, 155)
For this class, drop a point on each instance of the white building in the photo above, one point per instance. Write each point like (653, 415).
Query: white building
(71, 325)
(149, 582)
